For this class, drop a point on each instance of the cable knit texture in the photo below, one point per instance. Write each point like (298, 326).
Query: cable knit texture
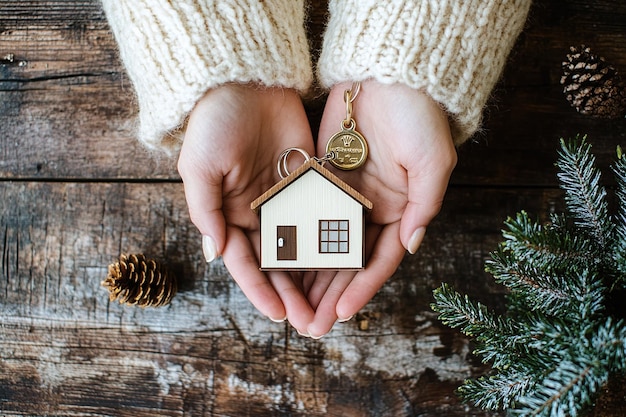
(174, 51)
(454, 50)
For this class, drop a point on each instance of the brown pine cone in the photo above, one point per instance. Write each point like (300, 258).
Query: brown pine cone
(592, 86)
(135, 280)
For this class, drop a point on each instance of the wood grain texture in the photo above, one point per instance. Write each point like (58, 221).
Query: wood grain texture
(76, 190)
(65, 349)
(65, 101)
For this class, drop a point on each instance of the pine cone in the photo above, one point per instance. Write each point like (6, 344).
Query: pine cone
(135, 280)
(592, 86)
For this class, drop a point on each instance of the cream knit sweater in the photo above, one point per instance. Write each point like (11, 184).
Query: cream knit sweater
(174, 51)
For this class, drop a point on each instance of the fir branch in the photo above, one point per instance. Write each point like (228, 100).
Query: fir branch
(549, 334)
(589, 292)
(563, 393)
(584, 360)
(584, 196)
(499, 391)
(558, 342)
(534, 287)
(473, 319)
(498, 339)
(457, 311)
(619, 250)
(584, 366)
(531, 350)
(551, 247)
(609, 342)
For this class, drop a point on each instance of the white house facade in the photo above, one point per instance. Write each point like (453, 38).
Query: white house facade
(312, 222)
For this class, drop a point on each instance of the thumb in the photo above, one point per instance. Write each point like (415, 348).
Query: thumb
(204, 200)
(425, 198)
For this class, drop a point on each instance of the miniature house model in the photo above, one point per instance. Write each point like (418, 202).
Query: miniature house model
(312, 220)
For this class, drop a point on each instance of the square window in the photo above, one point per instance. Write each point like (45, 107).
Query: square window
(334, 236)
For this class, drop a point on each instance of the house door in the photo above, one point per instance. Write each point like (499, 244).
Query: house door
(286, 248)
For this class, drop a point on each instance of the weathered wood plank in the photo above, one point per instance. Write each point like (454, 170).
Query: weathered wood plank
(520, 146)
(57, 237)
(66, 350)
(65, 99)
(66, 107)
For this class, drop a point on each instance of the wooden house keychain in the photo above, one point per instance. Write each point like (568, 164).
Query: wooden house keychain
(311, 219)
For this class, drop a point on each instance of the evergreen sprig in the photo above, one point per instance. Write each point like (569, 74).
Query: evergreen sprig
(559, 340)
(585, 197)
(620, 230)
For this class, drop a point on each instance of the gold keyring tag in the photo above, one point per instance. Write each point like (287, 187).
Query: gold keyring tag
(348, 147)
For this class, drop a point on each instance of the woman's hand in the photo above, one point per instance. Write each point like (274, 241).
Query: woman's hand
(411, 158)
(228, 158)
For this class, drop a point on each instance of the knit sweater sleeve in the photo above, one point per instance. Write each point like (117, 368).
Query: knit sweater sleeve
(174, 51)
(453, 50)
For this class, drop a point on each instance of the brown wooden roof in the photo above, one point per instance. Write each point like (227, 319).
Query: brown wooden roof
(311, 164)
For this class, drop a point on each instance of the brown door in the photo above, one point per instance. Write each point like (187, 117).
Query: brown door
(286, 248)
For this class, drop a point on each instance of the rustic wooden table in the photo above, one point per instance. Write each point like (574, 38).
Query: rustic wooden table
(76, 190)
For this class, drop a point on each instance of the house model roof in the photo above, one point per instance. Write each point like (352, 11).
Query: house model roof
(308, 165)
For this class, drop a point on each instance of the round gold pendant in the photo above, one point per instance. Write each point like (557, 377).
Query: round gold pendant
(349, 149)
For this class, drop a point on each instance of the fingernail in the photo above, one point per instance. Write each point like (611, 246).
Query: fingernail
(416, 240)
(312, 335)
(279, 320)
(345, 320)
(303, 334)
(208, 248)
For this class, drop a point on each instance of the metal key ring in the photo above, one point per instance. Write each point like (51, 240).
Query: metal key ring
(281, 166)
(354, 90)
(348, 97)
